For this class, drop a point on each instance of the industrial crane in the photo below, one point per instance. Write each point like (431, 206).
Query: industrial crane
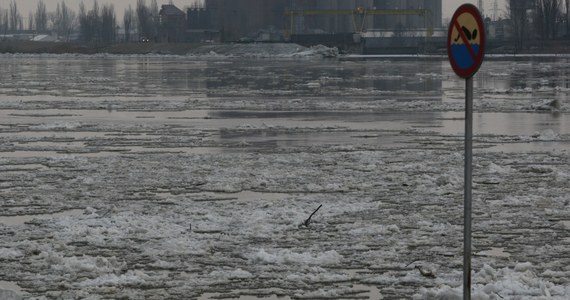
(359, 15)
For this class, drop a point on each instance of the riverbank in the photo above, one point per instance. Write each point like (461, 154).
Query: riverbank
(122, 48)
(226, 49)
(241, 49)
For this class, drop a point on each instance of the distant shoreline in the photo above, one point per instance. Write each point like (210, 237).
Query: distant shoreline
(559, 47)
(30, 47)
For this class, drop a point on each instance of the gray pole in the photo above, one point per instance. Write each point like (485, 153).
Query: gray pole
(467, 192)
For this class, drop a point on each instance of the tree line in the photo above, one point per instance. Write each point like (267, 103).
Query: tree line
(529, 19)
(97, 24)
(538, 19)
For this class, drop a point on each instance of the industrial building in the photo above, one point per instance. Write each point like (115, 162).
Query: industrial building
(243, 18)
(408, 20)
(331, 22)
(172, 21)
(335, 16)
(239, 19)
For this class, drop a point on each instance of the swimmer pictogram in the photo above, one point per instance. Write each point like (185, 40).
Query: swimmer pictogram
(466, 41)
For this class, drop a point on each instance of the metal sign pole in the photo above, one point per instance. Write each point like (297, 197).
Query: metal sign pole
(467, 192)
(466, 51)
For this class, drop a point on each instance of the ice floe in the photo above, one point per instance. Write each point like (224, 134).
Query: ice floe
(186, 177)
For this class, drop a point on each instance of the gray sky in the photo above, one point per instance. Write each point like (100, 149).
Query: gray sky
(25, 6)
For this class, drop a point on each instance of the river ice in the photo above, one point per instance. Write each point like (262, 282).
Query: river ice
(190, 177)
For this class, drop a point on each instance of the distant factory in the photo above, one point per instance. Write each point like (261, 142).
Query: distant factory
(334, 16)
(397, 22)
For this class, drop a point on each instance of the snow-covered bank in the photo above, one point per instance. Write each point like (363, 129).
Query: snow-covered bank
(265, 50)
(205, 51)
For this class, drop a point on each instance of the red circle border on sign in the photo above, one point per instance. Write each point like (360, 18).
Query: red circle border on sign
(474, 11)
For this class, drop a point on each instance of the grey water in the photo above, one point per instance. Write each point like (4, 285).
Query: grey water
(100, 106)
(57, 103)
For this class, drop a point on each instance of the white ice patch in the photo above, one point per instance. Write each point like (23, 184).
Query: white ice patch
(430, 75)
(8, 253)
(231, 274)
(130, 278)
(318, 277)
(320, 294)
(314, 85)
(57, 126)
(375, 230)
(494, 252)
(287, 256)
(496, 169)
(9, 294)
(514, 201)
(489, 283)
(79, 264)
(260, 50)
(546, 135)
(499, 74)
(546, 105)
(318, 51)
(526, 90)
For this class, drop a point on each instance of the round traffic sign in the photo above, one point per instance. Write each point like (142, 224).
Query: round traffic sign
(466, 41)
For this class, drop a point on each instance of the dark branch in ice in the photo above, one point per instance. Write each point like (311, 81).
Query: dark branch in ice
(411, 263)
(308, 220)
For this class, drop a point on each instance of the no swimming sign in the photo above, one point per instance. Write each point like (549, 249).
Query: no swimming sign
(466, 41)
(466, 50)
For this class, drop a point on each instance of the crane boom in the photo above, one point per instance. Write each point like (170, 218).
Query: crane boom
(358, 11)
(361, 13)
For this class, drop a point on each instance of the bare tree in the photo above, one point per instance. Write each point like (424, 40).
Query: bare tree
(108, 24)
(97, 25)
(155, 19)
(144, 19)
(567, 4)
(69, 17)
(31, 21)
(90, 23)
(546, 16)
(56, 19)
(41, 17)
(95, 21)
(518, 14)
(5, 22)
(128, 22)
(84, 28)
(21, 23)
(14, 16)
(63, 20)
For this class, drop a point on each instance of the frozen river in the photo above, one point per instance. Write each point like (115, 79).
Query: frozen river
(173, 177)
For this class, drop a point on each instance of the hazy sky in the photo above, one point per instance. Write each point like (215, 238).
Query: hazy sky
(25, 6)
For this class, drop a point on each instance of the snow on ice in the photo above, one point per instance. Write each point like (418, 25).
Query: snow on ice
(187, 177)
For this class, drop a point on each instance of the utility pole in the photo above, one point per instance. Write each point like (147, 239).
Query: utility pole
(480, 6)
